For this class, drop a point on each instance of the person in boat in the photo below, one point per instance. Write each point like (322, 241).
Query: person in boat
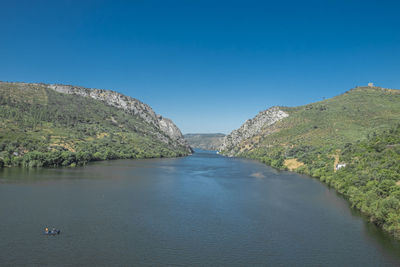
(46, 230)
(54, 230)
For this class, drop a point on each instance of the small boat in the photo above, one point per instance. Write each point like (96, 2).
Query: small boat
(52, 232)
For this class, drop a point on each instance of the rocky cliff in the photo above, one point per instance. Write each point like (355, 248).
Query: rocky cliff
(46, 125)
(168, 130)
(251, 128)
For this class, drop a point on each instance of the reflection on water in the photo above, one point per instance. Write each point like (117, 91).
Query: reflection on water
(200, 210)
(258, 175)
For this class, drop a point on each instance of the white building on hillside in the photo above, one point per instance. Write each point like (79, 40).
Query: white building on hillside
(340, 165)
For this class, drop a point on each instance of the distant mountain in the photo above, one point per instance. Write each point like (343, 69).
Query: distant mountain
(211, 141)
(52, 125)
(351, 142)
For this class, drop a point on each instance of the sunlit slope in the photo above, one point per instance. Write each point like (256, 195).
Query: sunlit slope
(350, 142)
(333, 122)
(42, 127)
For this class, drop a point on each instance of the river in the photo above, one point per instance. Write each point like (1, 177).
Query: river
(204, 209)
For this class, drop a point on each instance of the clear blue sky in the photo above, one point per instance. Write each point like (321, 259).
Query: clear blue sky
(207, 65)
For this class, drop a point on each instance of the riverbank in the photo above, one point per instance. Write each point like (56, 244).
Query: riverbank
(47, 125)
(201, 210)
(73, 159)
(369, 179)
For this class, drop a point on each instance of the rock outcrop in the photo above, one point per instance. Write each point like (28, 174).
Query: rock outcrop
(168, 130)
(250, 128)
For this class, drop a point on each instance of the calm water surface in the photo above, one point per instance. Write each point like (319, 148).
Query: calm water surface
(200, 210)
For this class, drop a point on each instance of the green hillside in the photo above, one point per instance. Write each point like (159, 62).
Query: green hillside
(333, 122)
(326, 126)
(360, 129)
(371, 179)
(42, 127)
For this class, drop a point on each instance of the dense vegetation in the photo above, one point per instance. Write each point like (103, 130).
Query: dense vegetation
(359, 128)
(370, 179)
(333, 122)
(41, 127)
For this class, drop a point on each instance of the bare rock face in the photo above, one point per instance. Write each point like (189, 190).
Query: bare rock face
(168, 130)
(168, 127)
(251, 128)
